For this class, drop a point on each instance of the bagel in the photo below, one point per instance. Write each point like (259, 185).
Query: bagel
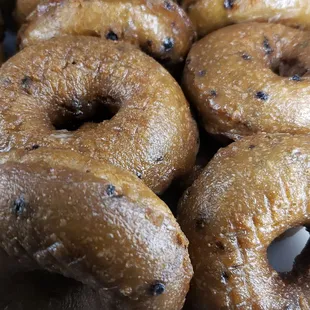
(249, 194)
(251, 78)
(94, 223)
(159, 27)
(210, 15)
(107, 100)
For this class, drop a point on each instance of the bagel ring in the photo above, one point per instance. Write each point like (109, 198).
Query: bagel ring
(159, 27)
(92, 222)
(63, 93)
(210, 15)
(251, 78)
(248, 195)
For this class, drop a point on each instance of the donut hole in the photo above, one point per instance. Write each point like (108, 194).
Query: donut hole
(283, 250)
(71, 116)
(289, 67)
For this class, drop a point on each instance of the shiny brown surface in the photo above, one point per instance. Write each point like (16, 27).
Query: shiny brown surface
(158, 27)
(24, 8)
(72, 82)
(251, 78)
(94, 223)
(210, 15)
(249, 194)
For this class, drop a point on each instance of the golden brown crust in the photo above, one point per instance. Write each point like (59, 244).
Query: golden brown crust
(251, 78)
(24, 8)
(210, 15)
(159, 27)
(249, 194)
(94, 223)
(69, 81)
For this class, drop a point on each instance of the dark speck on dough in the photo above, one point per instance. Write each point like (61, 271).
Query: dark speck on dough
(200, 224)
(168, 44)
(139, 175)
(229, 4)
(112, 36)
(149, 43)
(19, 206)
(213, 93)
(202, 73)
(220, 245)
(296, 78)
(262, 95)
(188, 61)
(110, 190)
(252, 146)
(26, 83)
(33, 147)
(246, 57)
(225, 277)
(267, 48)
(157, 288)
(159, 159)
(168, 5)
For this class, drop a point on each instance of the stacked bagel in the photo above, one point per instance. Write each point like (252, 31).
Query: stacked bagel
(93, 127)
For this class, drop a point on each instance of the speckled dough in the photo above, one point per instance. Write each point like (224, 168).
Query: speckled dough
(251, 78)
(249, 194)
(159, 27)
(79, 83)
(94, 223)
(209, 15)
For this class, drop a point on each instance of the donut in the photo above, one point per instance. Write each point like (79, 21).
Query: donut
(107, 100)
(94, 223)
(210, 15)
(251, 78)
(249, 194)
(24, 8)
(159, 27)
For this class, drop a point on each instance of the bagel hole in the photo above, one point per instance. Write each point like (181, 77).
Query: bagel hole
(283, 250)
(289, 67)
(71, 116)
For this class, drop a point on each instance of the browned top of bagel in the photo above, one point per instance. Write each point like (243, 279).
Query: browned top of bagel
(79, 83)
(250, 193)
(159, 27)
(251, 78)
(210, 15)
(92, 222)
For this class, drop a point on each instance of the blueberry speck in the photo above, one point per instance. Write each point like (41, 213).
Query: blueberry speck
(246, 57)
(110, 190)
(200, 224)
(262, 96)
(229, 4)
(168, 5)
(296, 78)
(220, 245)
(19, 206)
(168, 44)
(159, 159)
(225, 277)
(33, 147)
(139, 175)
(268, 49)
(112, 36)
(26, 83)
(213, 93)
(252, 146)
(202, 73)
(157, 289)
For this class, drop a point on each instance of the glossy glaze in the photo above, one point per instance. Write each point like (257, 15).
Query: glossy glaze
(160, 28)
(92, 222)
(210, 15)
(250, 193)
(251, 78)
(69, 82)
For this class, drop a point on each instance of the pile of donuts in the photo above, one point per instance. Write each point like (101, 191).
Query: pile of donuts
(113, 112)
